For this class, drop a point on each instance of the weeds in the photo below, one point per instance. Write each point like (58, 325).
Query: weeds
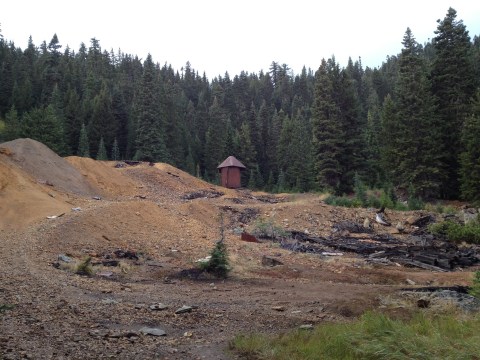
(475, 288)
(5, 307)
(267, 229)
(456, 232)
(375, 198)
(85, 267)
(373, 336)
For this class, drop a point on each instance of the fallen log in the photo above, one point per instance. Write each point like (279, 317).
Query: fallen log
(414, 263)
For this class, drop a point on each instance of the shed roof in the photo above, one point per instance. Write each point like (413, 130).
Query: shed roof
(231, 161)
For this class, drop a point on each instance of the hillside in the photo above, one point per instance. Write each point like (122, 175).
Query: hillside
(144, 228)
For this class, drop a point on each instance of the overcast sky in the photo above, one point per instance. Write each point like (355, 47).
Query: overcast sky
(229, 35)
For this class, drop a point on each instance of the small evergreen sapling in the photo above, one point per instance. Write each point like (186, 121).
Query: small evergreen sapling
(218, 264)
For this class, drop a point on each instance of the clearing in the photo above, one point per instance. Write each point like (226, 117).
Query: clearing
(144, 227)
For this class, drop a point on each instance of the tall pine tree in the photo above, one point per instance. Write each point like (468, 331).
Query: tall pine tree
(418, 142)
(453, 87)
(327, 129)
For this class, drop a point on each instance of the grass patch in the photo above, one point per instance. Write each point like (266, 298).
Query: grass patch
(6, 307)
(440, 208)
(456, 232)
(374, 198)
(373, 336)
(475, 288)
(267, 229)
(85, 267)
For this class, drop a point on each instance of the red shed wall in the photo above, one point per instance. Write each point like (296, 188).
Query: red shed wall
(230, 177)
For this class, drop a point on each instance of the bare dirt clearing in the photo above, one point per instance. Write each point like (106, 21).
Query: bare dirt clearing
(162, 220)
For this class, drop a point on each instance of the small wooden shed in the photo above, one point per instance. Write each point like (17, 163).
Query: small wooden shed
(230, 172)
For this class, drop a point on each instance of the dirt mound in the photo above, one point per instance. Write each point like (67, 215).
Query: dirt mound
(104, 176)
(165, 182)
(45, 166)
(23, 201)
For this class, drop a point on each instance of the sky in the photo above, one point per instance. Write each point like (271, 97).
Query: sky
(218, 36)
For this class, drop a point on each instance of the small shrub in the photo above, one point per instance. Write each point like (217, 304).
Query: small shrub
(440, 209)
(218, 263)
(415, 203)
(475, 288)
(456, 232)
(373, 201)
(5, 307)
(267, 229)
(360, 190)
(85, 267)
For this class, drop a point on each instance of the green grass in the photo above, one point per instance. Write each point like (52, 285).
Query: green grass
(475, 288)
(456, 232)
(85, 267)
(267, 229)
(373, 336)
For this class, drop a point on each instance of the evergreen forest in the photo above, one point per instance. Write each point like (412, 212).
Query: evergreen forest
(413, 123)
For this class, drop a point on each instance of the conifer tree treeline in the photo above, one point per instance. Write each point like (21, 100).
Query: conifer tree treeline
(411, 123)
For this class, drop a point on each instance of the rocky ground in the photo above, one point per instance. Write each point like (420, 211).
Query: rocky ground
(144, 227)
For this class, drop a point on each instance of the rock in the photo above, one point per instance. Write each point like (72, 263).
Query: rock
(188, 334)
(423, 303)
(411, 220)
(105, 274)
(153, 331)
(381, 219)
(204, 260)
(269, 261)
(184, 309)
(248, 237)
(393, 231)
(109, 301)
(306, 327)
(400, 227)
(278, 308)
(158, 307)
(366, 223)
(411, 282)
(237, 231)
(64, 258)
(469, 215)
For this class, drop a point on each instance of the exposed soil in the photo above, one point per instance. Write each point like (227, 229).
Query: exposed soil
(168, 220)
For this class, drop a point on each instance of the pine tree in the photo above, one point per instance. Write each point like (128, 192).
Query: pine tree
(470, 157)
(102, 151)
(42, 124)
(453, 87)
(215, 151)
(83, 143)
(13, 129)
(417, 144)
(389, 139)
(150, 141)
(115, 151)
(247, 153)
(347, 98)
(327, 129)
(251, 180)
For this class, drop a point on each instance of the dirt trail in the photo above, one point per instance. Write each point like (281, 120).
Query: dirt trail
(168, 219)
